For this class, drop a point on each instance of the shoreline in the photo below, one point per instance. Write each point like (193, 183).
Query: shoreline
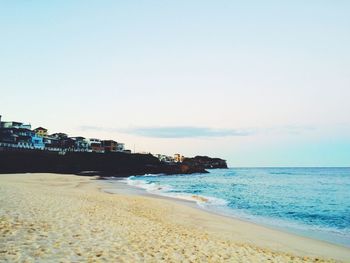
(123, 187)
(68, 217)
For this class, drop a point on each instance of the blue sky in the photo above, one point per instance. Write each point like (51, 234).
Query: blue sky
(260, 83)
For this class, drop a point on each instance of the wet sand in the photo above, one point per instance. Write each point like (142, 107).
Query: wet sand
(66, 218)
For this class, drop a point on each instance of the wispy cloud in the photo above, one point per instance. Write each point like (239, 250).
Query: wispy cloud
(174, 131)
(200, 132)
(185, 132)
(288, 129)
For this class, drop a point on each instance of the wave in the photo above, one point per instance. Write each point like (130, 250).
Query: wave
(285, 173)
(165, 190)
(220, 206)
(149, 187)
(152, 175)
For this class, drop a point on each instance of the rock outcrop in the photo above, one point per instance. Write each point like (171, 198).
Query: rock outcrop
(206, 162)
(107, 164)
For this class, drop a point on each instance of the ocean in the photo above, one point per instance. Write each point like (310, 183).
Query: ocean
(313, 202)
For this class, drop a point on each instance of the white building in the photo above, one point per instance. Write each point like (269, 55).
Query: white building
(120, 147)
(14, 124)
(95, 145)
(178, 158)
(164, 158)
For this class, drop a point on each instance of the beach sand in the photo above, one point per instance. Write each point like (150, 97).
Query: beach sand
(66, 218)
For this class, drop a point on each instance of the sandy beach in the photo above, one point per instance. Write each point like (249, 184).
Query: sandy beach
(67, 218)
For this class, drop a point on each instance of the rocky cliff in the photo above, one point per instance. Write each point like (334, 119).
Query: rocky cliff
(108, 164)
(206, 162)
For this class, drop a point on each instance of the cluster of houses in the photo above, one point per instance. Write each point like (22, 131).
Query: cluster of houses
(177, 158)
(20, 135)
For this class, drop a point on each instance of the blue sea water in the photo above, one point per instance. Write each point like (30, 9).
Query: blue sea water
(313, 202)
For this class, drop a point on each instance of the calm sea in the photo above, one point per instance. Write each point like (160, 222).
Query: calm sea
(313, 202)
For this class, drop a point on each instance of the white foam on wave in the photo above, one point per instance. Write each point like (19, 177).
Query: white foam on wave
(164, 190)
(152, 175)
(149, 187)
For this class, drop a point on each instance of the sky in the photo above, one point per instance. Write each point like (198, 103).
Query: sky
(258, 83)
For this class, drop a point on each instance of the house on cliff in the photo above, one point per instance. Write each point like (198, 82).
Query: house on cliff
(14, 124)
(19, 135)
(21, 138)
(68, 144)
(121, 147)
(109, 145)
(164, 158)
(40, 131)
(59, 135)
(37, 141)
(8, 135)
(95, 145)
(80, 144)
(51, 143)
(178, 158)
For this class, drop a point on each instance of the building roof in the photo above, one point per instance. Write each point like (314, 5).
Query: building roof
(78, 138)
(17, 129)
(108, 141)
(40, 129)
(59, 134)
(13, 122)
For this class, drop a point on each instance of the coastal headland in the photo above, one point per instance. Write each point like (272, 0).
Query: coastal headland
(23, 150)
(105, 164)
(66, 218)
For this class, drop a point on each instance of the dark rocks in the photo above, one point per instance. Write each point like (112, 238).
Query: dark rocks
(89, 164)
(206, 162)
